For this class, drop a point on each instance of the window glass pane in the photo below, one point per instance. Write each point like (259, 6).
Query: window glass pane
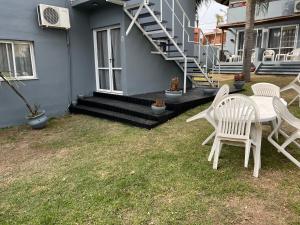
(23, 60)
(115, 47)
(241, 40)
(117, 80)
(274, 38)
(6, 59)
(102, 49)
(288, 36)
(104, 79)
(258, 38)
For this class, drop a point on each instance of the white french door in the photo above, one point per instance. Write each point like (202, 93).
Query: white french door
(107, 43)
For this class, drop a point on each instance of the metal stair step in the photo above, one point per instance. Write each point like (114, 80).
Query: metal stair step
(138, 6)
(169, 44)
(152, 23)
(163, 38)
(154, 30)
(147, 14)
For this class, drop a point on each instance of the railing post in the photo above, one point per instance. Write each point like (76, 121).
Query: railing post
(206, 57)
(173, 18)
(161, 10)
(185, 75)
(183, 38)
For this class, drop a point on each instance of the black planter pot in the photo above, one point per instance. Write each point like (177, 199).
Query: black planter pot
(239, 84)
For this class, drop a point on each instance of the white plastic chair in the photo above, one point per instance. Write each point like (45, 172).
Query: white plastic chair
(208, 115)
(284, 115)
(266, 89)
(235, 115)
(293, 55)
(294, 85)
(269, 54)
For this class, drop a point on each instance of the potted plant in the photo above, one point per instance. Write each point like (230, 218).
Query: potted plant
(239, 81)
(158, 107)
(174, 91)
(37, 118)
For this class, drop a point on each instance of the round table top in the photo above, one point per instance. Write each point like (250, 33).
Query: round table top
(265, 107)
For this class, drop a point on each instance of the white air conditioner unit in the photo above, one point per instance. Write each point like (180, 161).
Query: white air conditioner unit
(297, 6)
(53, 17)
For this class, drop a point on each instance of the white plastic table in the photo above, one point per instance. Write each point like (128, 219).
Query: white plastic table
(266, 114)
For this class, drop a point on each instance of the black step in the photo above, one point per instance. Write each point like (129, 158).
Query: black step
(115, 116)
(147, 14)
(152, 23)
(125, 107)
(172, 51)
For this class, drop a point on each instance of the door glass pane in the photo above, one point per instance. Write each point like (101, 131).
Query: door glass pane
(6, 59)
(102, 49)
(288, 36)
(258, 38)
(274, 38)
(115, 48)
(104, 79)
(117, 80)
(23, 60)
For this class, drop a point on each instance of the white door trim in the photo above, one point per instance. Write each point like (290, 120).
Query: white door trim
(110, 67)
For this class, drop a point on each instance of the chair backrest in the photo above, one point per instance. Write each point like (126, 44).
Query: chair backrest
(266, 89)
(235, 115)
(222, 93)
(269, 52)
(282, 111)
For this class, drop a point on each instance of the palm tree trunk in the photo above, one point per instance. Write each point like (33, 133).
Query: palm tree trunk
(249, 34)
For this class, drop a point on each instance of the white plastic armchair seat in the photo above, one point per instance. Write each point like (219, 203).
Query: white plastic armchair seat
(294, 85)
(284, 115)
(235, 115)
(208, 113)
(293, 55)
(266, 89)
(268, 54)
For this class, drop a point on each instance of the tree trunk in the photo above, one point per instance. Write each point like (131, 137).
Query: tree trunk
(249, 34)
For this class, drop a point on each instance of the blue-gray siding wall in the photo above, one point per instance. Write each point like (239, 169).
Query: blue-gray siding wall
(18, 21)
(64, 60)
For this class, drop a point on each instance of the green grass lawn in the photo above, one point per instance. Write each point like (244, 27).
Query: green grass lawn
(84, 170)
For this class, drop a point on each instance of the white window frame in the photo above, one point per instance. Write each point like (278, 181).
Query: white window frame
(237, 38)
(109, 68)
(281, 27)
(32, 57)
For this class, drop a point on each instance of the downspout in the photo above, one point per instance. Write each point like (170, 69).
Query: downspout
(68, 42)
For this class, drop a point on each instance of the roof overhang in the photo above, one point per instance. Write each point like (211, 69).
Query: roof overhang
(91, 4)
(223, 2)
(258, 22)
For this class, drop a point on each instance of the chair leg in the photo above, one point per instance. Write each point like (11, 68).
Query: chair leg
(212, 151)
(209, 138)
(247, 153)
(274, 125)
(216, 155)
(294, 99)
(291, 139)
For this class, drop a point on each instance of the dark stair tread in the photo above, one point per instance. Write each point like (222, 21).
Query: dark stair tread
(159, 29)
(128, 106)
(169, 44)
(163, 38)
(147, 14)
(108, 114)
(152, 23)
(137, 7)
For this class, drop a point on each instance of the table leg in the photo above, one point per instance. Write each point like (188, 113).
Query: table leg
(257, 157)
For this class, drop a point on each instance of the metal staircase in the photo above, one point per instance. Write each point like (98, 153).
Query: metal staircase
(166, 25)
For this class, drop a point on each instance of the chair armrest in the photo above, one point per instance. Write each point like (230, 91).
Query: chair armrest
(200, 115)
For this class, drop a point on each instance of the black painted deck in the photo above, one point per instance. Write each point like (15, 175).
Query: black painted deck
(136, 109)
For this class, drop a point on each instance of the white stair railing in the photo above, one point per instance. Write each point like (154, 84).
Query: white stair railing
(184, 24)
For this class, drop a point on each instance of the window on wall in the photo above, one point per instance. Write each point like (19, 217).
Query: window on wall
(17, 59)
(258, 34)
(282, 39)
